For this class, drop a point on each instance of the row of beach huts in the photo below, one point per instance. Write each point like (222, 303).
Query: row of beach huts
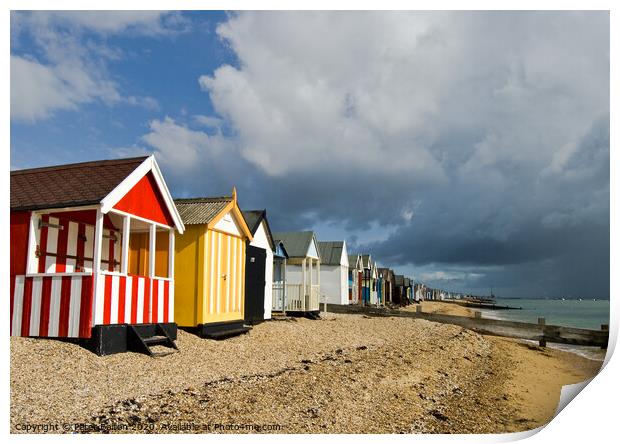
(101, 252)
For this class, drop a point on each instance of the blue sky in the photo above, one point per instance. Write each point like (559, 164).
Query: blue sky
(469, 150)
(163, 67)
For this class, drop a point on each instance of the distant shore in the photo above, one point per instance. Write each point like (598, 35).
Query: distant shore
(340, 374)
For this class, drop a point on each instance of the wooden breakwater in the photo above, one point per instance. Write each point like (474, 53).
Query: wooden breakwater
(540, 331)
(487, 306)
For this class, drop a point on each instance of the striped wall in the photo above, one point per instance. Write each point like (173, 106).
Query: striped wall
(51, 306)
(75, 239)
(62, 306)
(134, 300)
(224, 277)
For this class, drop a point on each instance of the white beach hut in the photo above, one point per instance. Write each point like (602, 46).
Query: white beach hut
(334, 272)
(303, 268)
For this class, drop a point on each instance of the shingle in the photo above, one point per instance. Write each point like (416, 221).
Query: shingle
(201, 210)
(69, 185)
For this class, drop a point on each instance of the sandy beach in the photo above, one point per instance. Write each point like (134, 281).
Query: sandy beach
(340, 374)
(454, 308)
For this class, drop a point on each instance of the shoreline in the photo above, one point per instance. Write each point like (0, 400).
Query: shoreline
(310, 376)
(456, 308)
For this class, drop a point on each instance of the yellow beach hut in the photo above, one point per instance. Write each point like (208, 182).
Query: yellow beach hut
(210, 266)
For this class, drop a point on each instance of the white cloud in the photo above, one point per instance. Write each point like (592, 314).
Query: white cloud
(147, 102)
(182, 148)
(71, 70)
(105, 22)
(353, 89)
(208, 121)
(449, 275)
(38, 90)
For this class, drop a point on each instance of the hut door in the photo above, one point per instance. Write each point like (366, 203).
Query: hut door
(254, 284)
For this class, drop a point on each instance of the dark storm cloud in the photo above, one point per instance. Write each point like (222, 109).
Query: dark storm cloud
(479, 140)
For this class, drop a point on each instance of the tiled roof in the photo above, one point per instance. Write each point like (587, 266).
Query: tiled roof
(201, 210)
(70, 185)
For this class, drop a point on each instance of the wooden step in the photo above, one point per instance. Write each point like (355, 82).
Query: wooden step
(143, 344)
(227, 333)
(155, 340)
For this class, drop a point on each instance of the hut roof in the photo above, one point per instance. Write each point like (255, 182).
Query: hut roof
(399, 279)
(331, 252)
(201, 210)
(353, 260)
(254, 218)
(76, 184)
(366, 261)
(385, 272)
(297, 243)
(279, 249)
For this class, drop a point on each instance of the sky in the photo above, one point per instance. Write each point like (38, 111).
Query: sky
(468, 150)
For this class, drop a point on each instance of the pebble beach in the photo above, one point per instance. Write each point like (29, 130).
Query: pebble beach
(339, 374)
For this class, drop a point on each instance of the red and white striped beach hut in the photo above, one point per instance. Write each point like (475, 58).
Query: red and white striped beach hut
(92, 253)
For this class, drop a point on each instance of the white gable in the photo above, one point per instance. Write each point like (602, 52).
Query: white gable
(313, 250)
(229, 225)
(260, 238)
(344, 258)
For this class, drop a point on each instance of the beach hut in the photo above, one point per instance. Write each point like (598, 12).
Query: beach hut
(91, 254)
(379, 287)
(366, 269)
(303, 272)
(408, 291)
(259, 268)
(390, 285)
(211, 266)
(278, 298)
(418, 290)
(400, 293)
(369, 280)
(355, 278)
(374, 277)
(385, 287)
(334, 272)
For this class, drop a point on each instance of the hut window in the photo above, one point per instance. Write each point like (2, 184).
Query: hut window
(162, 244)
(138, 261)
(111, 243)
(64, 242)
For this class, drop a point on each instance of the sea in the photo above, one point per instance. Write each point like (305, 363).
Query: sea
(586, 313)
